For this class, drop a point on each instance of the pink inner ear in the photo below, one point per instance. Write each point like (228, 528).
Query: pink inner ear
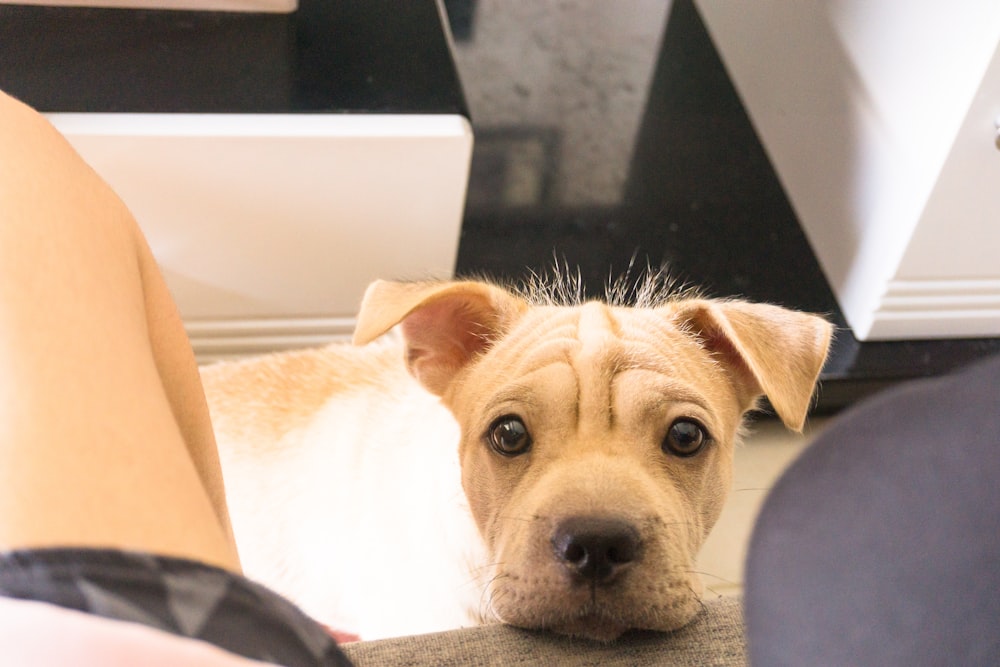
(452, 324)
(719, 344)
(443, 336)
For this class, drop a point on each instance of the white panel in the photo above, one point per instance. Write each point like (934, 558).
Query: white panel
(958, 236)
(284, 217)
(280, 6)
(859, 105)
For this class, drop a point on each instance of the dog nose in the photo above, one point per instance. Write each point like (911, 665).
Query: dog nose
(596, 549)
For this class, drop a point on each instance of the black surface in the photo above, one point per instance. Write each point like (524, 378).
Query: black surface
(370, 56)
(700, 194)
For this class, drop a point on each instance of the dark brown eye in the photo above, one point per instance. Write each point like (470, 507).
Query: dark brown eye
(509, 436)
(686, 437)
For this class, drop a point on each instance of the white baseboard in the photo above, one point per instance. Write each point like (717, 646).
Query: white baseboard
(219, 340)
(938, 308)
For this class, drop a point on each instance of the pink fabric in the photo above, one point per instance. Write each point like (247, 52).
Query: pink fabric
(39, 634)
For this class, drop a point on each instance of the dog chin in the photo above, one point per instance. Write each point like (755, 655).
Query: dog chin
(606, 625)
(591, 626)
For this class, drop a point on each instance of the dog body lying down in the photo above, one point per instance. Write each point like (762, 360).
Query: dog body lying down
(546, 466)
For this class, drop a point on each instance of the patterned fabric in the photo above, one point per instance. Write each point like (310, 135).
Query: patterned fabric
(179, 596)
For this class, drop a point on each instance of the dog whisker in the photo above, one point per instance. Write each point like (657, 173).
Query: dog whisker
(517, 518)
(714, 576)
(477, 570)
(697, 598)
(721, 593)
(488, 598)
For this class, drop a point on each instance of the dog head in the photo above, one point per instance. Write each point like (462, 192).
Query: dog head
(597, 440)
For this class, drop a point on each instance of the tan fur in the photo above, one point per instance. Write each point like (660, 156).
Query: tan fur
(598, 388)
(262, 399)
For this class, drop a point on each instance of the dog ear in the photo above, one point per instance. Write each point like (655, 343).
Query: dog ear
(773, 351)
(444, 324)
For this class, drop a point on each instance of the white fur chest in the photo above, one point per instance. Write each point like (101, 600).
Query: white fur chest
(359, 516)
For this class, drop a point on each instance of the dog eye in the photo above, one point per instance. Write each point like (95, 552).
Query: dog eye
(686, 437)
(509, 436)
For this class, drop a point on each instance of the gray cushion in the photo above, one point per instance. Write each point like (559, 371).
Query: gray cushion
(715, 637)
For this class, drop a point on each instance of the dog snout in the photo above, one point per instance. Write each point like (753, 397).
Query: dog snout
(595, 549)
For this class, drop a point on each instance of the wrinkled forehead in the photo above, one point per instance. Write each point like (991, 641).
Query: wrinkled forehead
(603, 339)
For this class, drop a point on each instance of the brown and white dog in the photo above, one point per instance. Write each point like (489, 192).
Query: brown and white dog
(506, 460)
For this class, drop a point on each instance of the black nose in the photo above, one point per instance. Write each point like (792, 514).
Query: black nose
(596, 549)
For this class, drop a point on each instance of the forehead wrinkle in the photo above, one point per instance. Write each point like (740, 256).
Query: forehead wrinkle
(550, 326)
(544, 354)
(596, 324)
(535, 397)
(517, 393)
(596, 362)
(677, 380)
(656, 329)
(648, 345)
(646, 357)
(670, 391)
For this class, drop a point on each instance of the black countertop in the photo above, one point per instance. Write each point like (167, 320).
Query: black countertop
(330, 56)
(604, 137)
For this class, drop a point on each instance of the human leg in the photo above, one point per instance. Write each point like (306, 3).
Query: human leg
(105, 439)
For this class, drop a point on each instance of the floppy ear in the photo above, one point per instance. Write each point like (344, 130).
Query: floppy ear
(444, 324)
(772, 350)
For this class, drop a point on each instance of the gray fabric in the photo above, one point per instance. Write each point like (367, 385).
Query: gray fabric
(881, 544)
(714, 638)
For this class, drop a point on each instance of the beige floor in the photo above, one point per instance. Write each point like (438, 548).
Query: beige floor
(768, 450)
